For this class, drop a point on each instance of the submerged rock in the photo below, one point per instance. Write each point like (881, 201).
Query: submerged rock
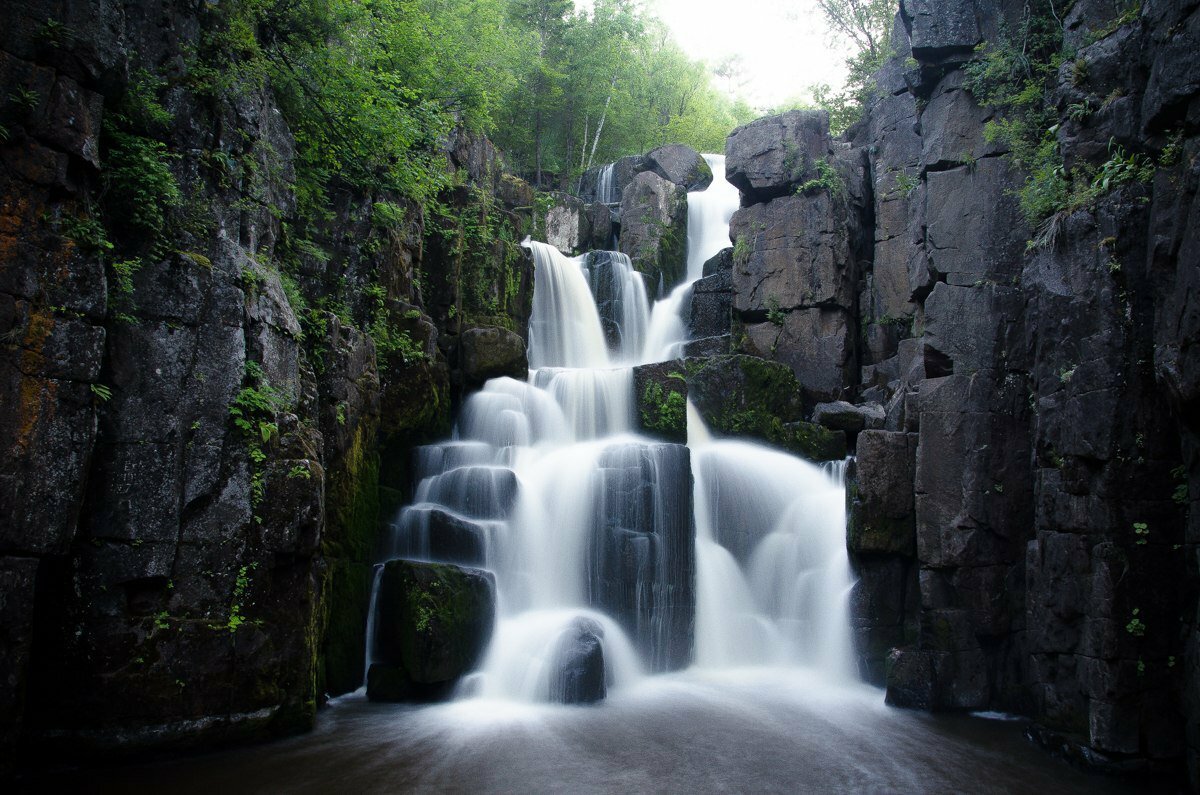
(579, 676)
(432, 624)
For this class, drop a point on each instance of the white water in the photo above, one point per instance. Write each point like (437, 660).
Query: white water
(546, 485)
(606, 190)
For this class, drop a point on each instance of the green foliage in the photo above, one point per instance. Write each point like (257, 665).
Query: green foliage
(255, 412)
(387, 337)
(1015, 75)
(1136, 626)
(139, 186)
(866, 25)
(905, 183)
(742, 250)
(1142, 531)
(1180, 495)
(102, 392)
(664, 410)
(240, 587)
(827, 179)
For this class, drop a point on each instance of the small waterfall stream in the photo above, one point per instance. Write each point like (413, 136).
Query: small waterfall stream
(721, 554)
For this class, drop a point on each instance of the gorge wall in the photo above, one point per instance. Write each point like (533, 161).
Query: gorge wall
(200, 451)
(204, 426)
(1023, 520)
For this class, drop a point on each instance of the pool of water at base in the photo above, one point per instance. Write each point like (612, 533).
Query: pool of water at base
(737, 731)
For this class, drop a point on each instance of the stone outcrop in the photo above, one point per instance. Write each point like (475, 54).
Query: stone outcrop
(432, 624)
(654, 229)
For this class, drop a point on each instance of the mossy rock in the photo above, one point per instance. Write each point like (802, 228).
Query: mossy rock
(739, 395)
(661, 394)
(433, 623)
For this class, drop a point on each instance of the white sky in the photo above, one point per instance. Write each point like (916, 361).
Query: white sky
(784, 45)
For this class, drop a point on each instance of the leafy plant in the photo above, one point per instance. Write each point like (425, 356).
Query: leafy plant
(827, 179)
(1136, 626)
(255, 412)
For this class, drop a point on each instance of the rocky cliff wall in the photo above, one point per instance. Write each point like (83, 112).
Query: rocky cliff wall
(205, 423)
(1023, 520)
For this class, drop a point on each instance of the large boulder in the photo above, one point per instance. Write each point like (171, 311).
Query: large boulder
(579, 676)
(772, 156)
(791, 253)
(491, 352)
(681, 165)
(654, 228)
(843, 416)
(816, 343)
(432, 624)
(749, 396)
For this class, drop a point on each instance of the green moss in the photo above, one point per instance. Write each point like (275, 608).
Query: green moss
(664, 411)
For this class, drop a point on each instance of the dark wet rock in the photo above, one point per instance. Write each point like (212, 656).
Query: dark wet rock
(654, 229)
(939, 29)
(681, 165)
(843, 416)
(641, 563)
(710, 311)
(771, 156)
(491, 352)
(433, 622)
(579, 676)
(816, 344)
(882, 510)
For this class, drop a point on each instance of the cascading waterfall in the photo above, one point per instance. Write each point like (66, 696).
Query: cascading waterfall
(721, 554)
(606, 189)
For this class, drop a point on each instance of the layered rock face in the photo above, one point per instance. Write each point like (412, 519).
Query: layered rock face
(197, 443)
(1022, 522)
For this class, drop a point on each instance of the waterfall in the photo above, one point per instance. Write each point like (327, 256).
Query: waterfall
(717, 554)
(709, 212)
(606, 190)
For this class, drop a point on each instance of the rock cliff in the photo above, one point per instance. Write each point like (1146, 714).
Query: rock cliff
(204, 418)
(1023, 521)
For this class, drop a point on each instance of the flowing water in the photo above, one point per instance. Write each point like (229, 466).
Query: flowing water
(715, 576)
(721, 555)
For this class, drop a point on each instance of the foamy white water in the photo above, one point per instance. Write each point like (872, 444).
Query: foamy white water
(725, 556)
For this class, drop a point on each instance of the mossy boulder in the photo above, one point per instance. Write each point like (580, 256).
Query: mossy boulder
(433, 622)
(660, 391)
(740, 395)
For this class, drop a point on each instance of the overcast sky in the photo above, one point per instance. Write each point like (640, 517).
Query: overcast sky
(783, 44)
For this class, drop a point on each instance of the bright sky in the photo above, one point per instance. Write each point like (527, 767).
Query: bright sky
(783, 45)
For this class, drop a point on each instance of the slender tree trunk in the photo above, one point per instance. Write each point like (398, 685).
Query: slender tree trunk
(603, 117)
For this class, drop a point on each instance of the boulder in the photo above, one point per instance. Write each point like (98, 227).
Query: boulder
(842, 416)
(681, 165)
(567, 224)
(941, 29)
(433, 622)
(579, 675)
(817, 344)
(710, 312)
(654, 229)
(771, 156)
(748, 396)
(791, 252)
(491, 352)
